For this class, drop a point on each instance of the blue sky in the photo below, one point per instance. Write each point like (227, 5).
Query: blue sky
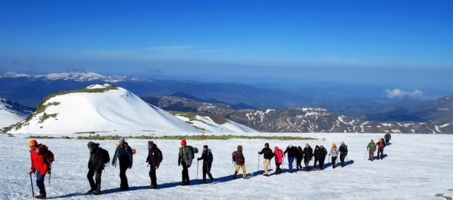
(406, 43)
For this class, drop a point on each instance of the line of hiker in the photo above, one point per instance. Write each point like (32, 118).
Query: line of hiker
(41, 161)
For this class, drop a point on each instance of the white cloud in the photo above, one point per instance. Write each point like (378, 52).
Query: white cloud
(400, 94)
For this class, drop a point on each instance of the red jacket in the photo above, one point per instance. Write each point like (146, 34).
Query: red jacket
(37, 162)
(278, 155)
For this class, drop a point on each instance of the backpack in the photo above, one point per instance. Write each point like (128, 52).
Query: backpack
(47, 155)
(194, 150)
(233, 155)
(105, 156)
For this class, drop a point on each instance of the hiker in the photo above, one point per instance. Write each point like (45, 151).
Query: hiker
(207, 158)
(380, 145)
(185, 157)
(41, 159)
(322, 159)
(267, 158)
(278, 153)
(371, 148)
(292, 151)
(154, 159)
(240, 162)
(343, 152)
(299, 158)
(387, 138)
(308, 154)
(98, 158)
(317, 156)
(123, 153)
(334, 154)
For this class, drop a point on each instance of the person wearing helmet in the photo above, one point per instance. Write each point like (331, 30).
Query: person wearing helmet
(185, 159)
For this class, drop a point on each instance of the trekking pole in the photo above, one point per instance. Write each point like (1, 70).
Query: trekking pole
(50, 176)
(258, 162)
(32, 191)
(197, 168)
(365, 153)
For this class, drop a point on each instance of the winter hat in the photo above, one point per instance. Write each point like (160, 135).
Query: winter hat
(90, 144)
(334, 145)
(32, 143)
(205, 146)
(267, 144)
(183, 142)
(122, 140)
(276, 148)
(150, 143)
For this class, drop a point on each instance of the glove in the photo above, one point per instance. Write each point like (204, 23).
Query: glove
(259, 152)
(32, 171)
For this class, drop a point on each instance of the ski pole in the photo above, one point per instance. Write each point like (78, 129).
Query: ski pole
(50, 176)
(197, 168)
(31, 183)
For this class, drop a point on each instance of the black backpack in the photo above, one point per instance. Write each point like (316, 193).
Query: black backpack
(233, 156)
(105, 156)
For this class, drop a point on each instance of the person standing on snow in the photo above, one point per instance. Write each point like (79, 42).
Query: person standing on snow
(371, 148)
(41, 159)
(185, 159)
(343, 152)
(154, 159)
(292, 152)
(240, 162)
(322, 158)
(299, 158)
(380, 152)
(334, 153)
(207, 158)
(308, 154)
(317, 155)
(98, 158)
(278, 153)
(387, 138)
(123, 153)
(267, 158)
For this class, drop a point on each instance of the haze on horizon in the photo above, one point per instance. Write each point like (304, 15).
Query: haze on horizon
(393, 44)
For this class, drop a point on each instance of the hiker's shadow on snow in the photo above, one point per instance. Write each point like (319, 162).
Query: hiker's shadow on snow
(383, 156)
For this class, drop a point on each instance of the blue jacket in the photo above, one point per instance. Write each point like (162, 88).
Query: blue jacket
(123, 153)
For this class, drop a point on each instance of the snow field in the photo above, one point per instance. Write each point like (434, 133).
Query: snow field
(416, 167)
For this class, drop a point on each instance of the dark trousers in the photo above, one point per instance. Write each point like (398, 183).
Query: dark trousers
(316, 161)
(40, 182)
(123, 167)
(307, 163)
(342, 157)
(94, 186)
(278, 170)
(380, 153)
(334, 161)
(299, 161)
(321, 163)
(185, 173)
(152, 174)
(207, 170)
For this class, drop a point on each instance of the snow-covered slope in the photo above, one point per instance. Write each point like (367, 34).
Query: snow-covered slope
(99, 108)
(11, 112)
(416, 167)
(208, 125)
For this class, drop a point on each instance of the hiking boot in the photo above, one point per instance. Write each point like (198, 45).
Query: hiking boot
(212, 180)
(203, 182)
(314, 169)
(153, 186)
(319, 169)
(91, 191)
(40, 196)
(97, 192)
(266, 175)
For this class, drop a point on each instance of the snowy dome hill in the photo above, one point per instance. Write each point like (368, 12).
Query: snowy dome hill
(98, 108)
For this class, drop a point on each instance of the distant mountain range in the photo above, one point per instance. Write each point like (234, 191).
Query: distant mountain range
(436, 117)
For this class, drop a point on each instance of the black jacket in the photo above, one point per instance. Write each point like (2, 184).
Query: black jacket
(268, 154)
(207, 157)
(387, 136)
(300, 153)
(343, 150)
(308, 153)
(292, 152)
(98, 158)
(154, 156)
(318, 153)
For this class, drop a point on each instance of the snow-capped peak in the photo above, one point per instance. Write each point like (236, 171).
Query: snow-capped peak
(13, 74)
(74, 76)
